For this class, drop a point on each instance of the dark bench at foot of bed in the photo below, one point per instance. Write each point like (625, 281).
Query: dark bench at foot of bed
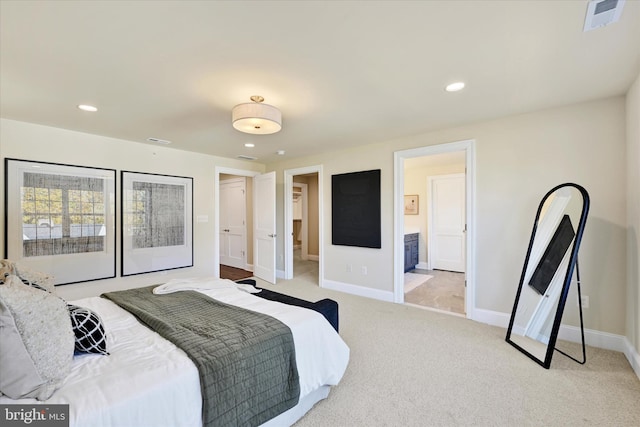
(327, 307)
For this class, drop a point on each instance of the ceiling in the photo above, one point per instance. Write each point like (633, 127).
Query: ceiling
(343, 73)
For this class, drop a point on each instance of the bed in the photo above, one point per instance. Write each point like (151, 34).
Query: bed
(148, 381)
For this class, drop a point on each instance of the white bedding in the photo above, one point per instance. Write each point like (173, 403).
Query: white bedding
(148, 381)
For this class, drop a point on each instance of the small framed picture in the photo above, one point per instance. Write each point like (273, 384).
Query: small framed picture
(411, 204)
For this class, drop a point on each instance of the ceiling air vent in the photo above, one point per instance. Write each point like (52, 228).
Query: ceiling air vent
(159, 141)
(602, 12)
(243, 157)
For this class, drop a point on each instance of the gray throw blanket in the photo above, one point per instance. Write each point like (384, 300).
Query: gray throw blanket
(246, 360)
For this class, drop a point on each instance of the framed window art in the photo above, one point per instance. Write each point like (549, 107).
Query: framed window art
(60, 219)
(157, 222)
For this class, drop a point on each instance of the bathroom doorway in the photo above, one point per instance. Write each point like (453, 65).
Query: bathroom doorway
(423, 281)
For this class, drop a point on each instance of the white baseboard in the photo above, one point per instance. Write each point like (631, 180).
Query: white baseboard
(632, 356)
(592, 337)
(423, 266)
(313, 257)
(358, 290)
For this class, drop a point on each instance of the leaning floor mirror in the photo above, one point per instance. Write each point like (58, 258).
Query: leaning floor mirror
(550, 265)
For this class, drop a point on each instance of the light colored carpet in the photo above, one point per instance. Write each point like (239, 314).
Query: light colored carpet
(413, 367)
(412, 281)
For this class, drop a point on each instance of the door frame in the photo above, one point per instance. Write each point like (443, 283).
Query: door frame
(216, 209)
(468, 146)
(288, 220)
(243, 180)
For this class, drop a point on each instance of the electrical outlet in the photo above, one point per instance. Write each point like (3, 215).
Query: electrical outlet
(585, 301)
(364, 270)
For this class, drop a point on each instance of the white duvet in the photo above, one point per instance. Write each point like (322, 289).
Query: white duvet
(148, 381)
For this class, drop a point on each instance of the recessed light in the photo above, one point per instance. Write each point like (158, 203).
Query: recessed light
(249, 145)
(84, 107)
(280, 152)
(454, 87)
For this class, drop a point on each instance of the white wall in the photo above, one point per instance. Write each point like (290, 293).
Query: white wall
(633, 219)
(518, 159)
(27, 141)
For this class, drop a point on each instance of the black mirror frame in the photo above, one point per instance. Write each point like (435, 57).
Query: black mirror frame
(573, 261)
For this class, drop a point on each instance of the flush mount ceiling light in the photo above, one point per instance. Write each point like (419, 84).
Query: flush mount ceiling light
(454, 87)
(256, 117)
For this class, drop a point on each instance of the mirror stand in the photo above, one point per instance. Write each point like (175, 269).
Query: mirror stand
(584, 349)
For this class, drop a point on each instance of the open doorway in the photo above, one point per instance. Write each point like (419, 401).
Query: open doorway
(233, 211)
(435, 228)
(303, 224)
(236, 225)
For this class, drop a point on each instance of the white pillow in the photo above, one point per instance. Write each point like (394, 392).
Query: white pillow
(37, 341)
(35, 277)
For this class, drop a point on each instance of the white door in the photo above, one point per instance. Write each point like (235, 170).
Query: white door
(264, 234)
(233, 231)
(447, 222)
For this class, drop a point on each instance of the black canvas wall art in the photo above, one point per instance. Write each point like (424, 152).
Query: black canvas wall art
(355, 209)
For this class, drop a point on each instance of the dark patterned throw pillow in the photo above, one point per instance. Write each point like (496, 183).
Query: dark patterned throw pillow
(88, 329)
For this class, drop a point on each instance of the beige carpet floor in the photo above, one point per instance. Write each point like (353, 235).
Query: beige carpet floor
(414, 367)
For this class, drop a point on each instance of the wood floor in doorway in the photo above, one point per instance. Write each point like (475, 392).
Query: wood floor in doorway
(233, 273)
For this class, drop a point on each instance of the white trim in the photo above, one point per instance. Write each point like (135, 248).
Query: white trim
(490, 317)
(423, 266)
(238, 180)
(288, 220)
(358, 290)
(468, 146)
(592, 337)
(632, 356)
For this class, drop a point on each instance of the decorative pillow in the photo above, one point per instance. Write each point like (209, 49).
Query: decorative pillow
(37, 341)
(35, 278)
(88, 329)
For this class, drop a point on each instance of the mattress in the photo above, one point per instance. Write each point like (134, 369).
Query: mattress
(147, 381)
